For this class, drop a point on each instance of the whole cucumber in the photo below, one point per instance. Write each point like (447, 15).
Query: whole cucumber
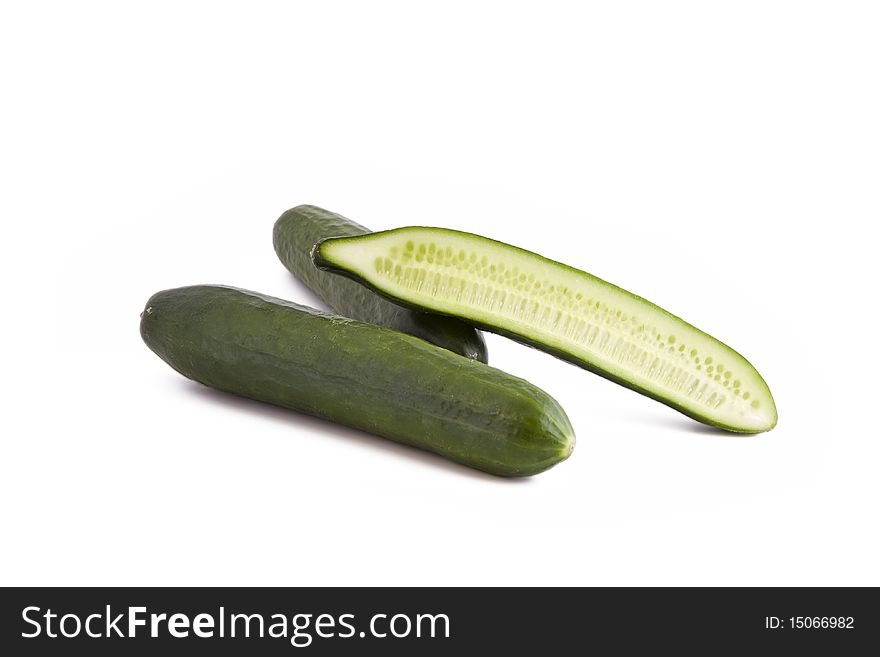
(360, 375)
(300, 228)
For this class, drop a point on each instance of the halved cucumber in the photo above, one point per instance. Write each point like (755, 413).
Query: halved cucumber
(564, 311)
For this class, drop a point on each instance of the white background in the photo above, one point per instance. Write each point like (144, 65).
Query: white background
(720, 159)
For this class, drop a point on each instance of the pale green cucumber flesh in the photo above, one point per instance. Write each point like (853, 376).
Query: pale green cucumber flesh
(562, 310)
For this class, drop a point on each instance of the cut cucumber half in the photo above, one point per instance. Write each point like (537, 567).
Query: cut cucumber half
(564, 311)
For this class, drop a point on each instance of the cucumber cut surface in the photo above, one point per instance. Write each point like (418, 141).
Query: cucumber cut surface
(561, 310)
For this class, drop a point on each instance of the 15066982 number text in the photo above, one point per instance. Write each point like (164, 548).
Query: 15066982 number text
(821, 622)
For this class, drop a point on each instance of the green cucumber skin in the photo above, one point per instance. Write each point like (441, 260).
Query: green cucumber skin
(294, 235)
(321, 262)
(360, 375)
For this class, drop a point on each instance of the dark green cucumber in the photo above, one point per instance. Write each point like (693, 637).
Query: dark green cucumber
(298, 229)
(562, 310)
(360, 375)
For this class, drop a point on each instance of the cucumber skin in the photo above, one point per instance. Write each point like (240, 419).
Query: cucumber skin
(360, 375)
(300, 228)
(327, 265)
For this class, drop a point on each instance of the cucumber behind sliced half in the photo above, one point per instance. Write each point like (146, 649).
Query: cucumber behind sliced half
(564, 311)
(296, 232)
